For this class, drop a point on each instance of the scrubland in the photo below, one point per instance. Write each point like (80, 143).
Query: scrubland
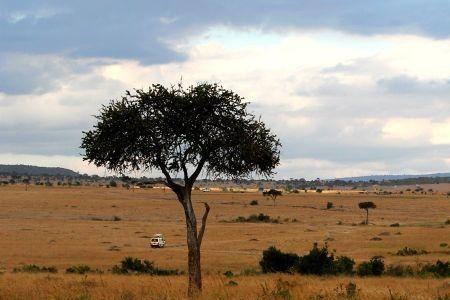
(98, 227)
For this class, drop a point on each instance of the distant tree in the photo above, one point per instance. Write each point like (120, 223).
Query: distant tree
(112, 183)
(176, 130)
(26, 181)
(366, 206)
(273, 194)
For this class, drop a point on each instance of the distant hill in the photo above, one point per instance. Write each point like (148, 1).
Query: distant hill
(34, 170)
(393, 177)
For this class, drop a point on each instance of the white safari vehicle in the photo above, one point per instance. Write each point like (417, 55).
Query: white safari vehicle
(157, 241)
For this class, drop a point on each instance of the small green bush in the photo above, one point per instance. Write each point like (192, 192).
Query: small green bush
(81, 269)
(373, 267)
(410, 251)
(254, 218)
(35, 269)
(274, 260)
(344, 265)
(228, 274)
(254, 202)
(317, 262)
(130, 265)
(329, 205)
(399, 271)
(439, 269)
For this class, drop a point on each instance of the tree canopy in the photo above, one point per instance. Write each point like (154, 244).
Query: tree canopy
(176, 130)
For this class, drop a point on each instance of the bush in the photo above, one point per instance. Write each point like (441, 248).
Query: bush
(410, 251)
(254, 202)
(130, 265)
(344, 265)
(274, 260)
(373, 267)
(316, 262)
(112, 183)
(329, 205)
(399, 271)
(35, 269)
(439, 269)
(81, 269)
(257, 219)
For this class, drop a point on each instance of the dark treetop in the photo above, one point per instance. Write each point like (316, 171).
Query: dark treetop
(179, 130)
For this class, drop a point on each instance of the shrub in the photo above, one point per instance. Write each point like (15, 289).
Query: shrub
(373, 267)
(228, 274)
(35, 269)
(317, 262)
(410, 251)
(81, 269)
(395, 225)
(112, 183)
(399, 271)
(439, 269)
(274, 260)
(344, 265)
(447, 222)
(329, 205)
(130, 265)
(254, 218)
(254, 202)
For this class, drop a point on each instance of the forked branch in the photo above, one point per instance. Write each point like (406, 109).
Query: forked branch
(202, 229)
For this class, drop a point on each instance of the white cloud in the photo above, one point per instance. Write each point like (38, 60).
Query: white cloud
(343, 105)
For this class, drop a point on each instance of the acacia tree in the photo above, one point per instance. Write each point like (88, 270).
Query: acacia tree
(366, 206)
(273, 194)
(183, 132)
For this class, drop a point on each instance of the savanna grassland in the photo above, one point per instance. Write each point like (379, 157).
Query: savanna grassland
(98, 227)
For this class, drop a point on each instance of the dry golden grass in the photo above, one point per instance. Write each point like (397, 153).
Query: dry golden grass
(71, 226)
(38, 286)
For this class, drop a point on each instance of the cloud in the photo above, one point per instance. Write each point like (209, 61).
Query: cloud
(140, 30)
(340, 107)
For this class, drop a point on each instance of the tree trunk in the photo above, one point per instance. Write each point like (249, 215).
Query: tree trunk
(194, 269)
(367, 217)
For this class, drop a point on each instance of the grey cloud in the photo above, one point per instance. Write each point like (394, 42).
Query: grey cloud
(140, 29)
(28, 74)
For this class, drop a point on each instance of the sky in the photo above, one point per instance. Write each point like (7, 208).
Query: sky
(350, 87)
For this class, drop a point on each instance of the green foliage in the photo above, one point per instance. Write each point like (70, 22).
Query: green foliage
(260, 218)
(367, 205)
(173, 128)
(112, 183)
(130, 265)
(439, 269)
(329, 205)
(399, 271)
(373, 267)
(228, 274)
(274, 260)
(254, 202)
(318, 262)
(344, 265)
(410, 251)
(35, 269)
(81, 269)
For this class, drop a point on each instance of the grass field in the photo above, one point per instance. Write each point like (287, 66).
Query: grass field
(62, 227)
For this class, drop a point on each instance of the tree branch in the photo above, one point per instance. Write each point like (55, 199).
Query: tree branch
(197, 171)
(202, 229)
